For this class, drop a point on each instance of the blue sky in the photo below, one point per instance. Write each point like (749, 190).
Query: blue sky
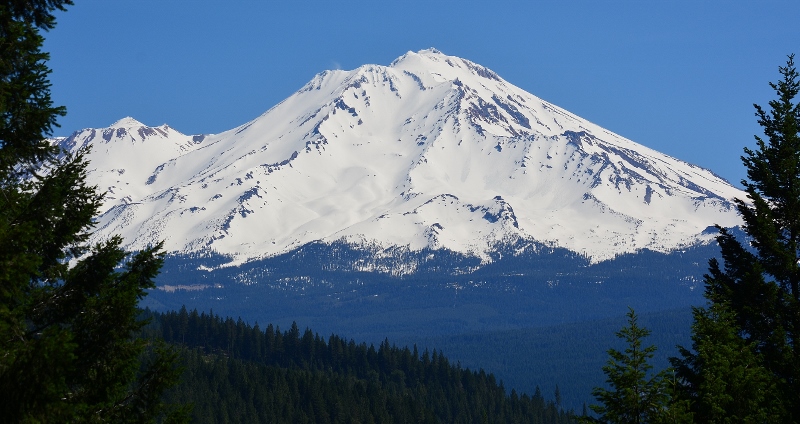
(678, 76)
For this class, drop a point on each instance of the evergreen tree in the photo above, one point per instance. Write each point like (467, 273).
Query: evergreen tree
(725, 377)
(635, 394)
(749, 338)
(66, 333)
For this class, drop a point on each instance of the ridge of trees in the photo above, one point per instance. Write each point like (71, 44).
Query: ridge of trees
(236, 372)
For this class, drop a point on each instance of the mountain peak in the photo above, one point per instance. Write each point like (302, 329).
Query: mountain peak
(127, 122)
(431, 51)
(433, 61)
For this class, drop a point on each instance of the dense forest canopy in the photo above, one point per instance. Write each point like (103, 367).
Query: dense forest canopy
(236, 372)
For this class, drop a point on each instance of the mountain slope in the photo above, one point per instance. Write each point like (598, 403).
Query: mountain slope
(432, 151)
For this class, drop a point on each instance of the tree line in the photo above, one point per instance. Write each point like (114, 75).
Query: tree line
(235, 372)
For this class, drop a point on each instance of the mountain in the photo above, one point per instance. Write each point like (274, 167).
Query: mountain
(431, 152)
(428, 201)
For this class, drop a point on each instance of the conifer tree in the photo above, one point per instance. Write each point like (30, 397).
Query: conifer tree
(635, 394)
(724, 376)
(66, 333)
(749, 338)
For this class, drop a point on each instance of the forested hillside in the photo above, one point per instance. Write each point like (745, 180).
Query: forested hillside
(236, 372)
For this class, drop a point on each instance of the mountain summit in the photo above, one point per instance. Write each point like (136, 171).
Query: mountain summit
(432, 151)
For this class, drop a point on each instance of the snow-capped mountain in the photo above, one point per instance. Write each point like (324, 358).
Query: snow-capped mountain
(431, 151)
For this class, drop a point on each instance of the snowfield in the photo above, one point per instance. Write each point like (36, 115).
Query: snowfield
(430, 151)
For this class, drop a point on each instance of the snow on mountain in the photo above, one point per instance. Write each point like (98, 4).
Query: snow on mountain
(124, 156)
(431, 151)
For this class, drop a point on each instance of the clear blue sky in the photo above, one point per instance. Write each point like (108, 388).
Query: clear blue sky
(677, 76)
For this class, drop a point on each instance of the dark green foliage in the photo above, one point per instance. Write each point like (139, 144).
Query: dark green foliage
(238, 373)
(726, 381)
(746, 361)
(26, 111)
(635, 394)
(66, 333)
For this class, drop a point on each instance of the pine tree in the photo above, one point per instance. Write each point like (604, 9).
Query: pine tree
(750, 336)
(635, 394)
(724, 375)
(66, 333)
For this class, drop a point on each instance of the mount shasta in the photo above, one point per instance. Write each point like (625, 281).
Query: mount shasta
(418, 201)
(432, 151)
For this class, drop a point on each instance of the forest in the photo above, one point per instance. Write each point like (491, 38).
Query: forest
(235, 372)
